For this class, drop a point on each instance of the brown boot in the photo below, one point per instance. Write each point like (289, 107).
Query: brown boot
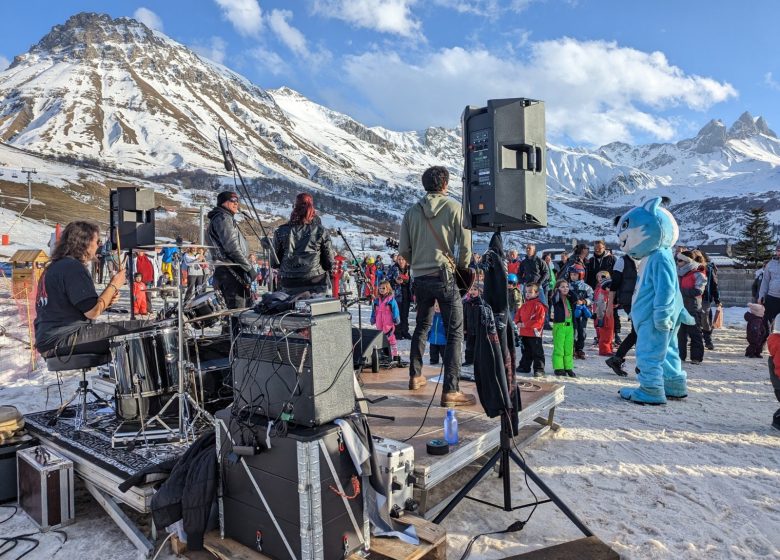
(457, 398)
(417, 382)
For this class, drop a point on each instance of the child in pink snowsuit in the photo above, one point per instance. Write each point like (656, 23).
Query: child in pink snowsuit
(385, 316)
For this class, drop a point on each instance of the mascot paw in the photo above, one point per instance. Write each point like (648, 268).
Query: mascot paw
(640, 396)
(664, 326)
(676, 389)
(686, 318)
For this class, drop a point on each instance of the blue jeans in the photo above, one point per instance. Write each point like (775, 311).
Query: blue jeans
(427, 291)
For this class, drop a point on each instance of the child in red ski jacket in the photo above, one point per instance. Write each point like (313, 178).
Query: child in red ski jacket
(530, 321)
(773, 344)
(139, 295)
(602, 308)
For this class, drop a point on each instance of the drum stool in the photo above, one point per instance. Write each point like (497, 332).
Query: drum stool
(84, 362)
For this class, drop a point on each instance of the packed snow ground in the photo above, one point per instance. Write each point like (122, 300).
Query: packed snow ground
(696, 479)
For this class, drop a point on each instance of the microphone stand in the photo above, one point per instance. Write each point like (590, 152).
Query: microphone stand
(230, 165)
(361, 279)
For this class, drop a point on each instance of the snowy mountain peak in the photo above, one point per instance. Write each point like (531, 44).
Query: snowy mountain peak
(746, 127)
(711, 137)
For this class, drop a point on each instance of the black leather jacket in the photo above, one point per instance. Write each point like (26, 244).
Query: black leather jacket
(228, 241)
(303, 251)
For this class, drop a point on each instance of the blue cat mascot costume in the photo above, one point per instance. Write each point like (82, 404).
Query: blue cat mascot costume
(648, 232)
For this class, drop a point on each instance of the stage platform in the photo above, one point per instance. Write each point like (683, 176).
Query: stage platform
(103, 468)
(478, 434)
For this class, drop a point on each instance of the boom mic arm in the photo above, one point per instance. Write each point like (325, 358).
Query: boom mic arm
(230, 165)
(225, 148)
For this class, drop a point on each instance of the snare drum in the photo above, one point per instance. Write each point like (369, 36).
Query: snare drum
(205, 304)
(146, 362)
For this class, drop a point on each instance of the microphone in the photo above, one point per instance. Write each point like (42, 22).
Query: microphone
(225, 153)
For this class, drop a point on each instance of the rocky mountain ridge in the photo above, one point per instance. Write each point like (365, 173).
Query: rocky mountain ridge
(115, 93)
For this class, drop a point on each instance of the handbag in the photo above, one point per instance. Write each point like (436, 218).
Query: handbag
(717, 321)
(464, 276)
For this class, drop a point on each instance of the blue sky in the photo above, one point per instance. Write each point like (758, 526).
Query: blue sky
(634, 71)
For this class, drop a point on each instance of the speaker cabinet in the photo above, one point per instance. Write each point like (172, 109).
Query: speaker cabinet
(132, 217)
(504, 172)
(294, 365)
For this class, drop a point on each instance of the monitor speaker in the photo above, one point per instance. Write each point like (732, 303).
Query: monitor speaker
(504, 172)
(132, 217)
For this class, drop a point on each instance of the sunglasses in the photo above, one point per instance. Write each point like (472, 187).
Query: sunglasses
(232, 200)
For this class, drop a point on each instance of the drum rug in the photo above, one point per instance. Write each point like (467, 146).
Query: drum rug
(94, 443)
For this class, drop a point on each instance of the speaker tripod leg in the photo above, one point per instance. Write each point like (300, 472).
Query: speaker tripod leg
(466, 489)
(550, 494)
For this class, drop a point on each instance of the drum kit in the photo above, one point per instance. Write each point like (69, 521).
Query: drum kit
(168, 374)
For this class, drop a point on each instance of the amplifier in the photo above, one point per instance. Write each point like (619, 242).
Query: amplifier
(300, 498)
(45, 482)
(294, 367)
(395, 463)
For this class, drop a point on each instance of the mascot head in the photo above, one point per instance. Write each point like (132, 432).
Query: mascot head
(646, 228)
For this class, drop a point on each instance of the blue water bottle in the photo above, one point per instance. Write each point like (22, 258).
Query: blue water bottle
(451, 427)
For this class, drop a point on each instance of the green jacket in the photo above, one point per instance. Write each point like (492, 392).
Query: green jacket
(421, 248)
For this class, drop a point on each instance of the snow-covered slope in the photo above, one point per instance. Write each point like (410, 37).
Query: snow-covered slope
(115, 94)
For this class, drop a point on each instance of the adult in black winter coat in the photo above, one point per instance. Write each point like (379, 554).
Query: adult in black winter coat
(602, 259)
(624, 277)
(303, 250)
(533, 270)
(230, 247)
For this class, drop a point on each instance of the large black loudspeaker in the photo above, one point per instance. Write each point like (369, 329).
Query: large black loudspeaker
(504, 184)
(132, 217)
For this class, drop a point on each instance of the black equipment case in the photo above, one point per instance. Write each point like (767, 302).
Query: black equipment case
(294, 500)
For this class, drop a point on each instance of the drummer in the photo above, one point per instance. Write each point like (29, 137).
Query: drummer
(67, 303)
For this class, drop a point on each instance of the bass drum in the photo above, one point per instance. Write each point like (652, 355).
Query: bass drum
(135, 408)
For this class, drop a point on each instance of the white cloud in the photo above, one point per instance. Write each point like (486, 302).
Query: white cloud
(385, 16)
(269, 61)
(4, 63)
(768, 80)
(245, 15)
(595, 91)
(148, 18)
(486, 8)
(293, 39)
(214, 49)
(289, 35)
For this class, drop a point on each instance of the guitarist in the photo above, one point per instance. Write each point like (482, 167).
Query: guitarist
(437, 247)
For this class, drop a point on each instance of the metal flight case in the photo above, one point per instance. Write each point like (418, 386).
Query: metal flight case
(301, 498)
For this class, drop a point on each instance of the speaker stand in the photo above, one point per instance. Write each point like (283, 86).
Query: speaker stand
(505, 454)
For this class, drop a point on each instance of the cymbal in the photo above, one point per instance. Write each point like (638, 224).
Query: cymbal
(172, 289)
(223, 313)
(222, 263)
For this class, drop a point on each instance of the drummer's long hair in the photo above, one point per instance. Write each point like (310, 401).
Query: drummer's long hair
(303, 212)
(75, 240)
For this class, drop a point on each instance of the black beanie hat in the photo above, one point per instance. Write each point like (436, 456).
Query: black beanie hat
(223, 197)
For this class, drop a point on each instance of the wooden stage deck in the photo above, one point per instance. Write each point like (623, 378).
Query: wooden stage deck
(478, 434)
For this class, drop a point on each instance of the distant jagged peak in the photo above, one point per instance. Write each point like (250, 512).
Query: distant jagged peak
(763, 127)
(712, 136)
(746, 126)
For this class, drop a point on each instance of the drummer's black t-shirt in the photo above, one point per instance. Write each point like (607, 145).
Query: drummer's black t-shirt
(67, 292)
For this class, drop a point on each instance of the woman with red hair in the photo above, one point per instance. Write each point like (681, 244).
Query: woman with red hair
(303, 250)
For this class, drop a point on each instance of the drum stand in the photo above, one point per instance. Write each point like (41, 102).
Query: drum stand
(185, 431)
